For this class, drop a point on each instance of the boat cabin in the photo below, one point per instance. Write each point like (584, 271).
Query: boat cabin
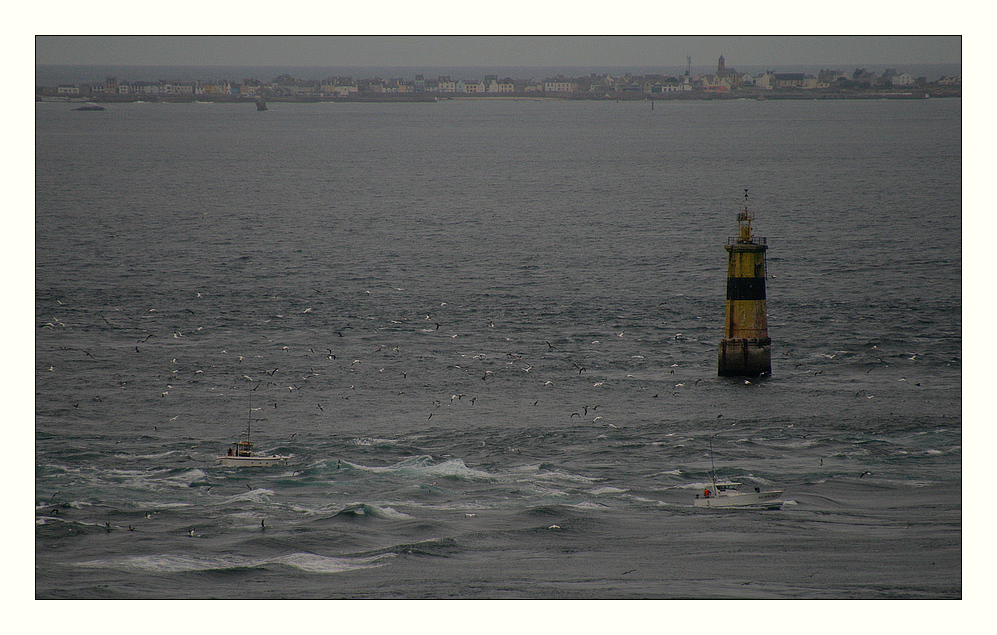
(727, 488)
(242, 448)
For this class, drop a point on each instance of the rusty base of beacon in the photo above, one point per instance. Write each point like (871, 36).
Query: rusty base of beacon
(745, 357)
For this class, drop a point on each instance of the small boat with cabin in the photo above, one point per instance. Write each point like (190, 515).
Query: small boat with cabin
(727, 493)
(240, 453)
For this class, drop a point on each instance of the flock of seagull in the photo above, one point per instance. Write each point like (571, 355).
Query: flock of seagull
(555, 360)
(348, 361)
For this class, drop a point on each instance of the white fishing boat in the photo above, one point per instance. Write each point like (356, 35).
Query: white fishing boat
(727, 493)
(240, 453)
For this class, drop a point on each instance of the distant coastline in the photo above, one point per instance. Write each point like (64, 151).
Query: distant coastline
(415, 98)
(53, 75)
(187, 84)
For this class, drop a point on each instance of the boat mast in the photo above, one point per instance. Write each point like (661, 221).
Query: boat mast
(249, 421)
(713, 468)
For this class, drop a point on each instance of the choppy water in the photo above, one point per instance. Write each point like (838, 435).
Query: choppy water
(486, 334)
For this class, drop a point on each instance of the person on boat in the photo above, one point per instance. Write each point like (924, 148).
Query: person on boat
(230, 451)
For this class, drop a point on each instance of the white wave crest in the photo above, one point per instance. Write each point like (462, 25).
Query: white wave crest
(377, 511)
(457, 468)
(565, 477)
(160, 505)
(371, 441)
(606, 490)
(675, 472)
(323, 564)
(160, 455)
(172, 563)
(188, 477)
(423, 466)
(256, 496)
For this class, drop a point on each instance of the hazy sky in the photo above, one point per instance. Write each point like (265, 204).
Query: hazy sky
(436, 51)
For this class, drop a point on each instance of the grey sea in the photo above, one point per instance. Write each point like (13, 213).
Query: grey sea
(485, 332)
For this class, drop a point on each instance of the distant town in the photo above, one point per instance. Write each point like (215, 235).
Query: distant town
(724, 83)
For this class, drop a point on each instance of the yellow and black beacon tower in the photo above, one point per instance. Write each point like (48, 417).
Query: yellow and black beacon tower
(746, 350)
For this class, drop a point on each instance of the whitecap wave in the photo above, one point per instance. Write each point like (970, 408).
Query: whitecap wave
(256, 496)
(376, 511)
(545, 492)
(160, 505)
(174, 563)
(371, 441)
(565, 477)
(423, 465)
(606, 490)
(653, 501)
(160, 455)
(186, 478)
(796, 445)
(675, 472)
(919, 483)
(312, 563)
